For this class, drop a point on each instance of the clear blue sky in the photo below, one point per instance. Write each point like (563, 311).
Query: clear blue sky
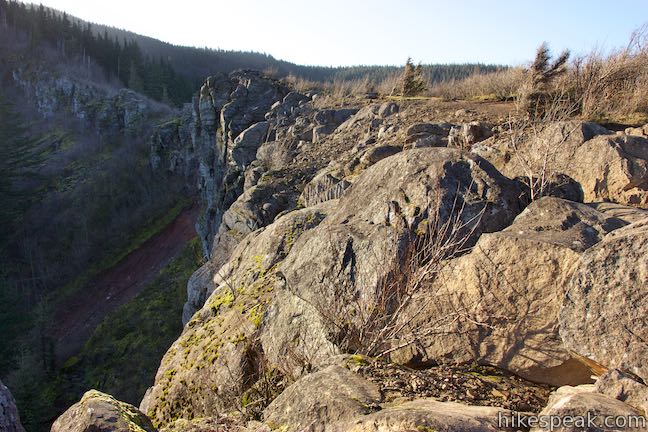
(347, 32)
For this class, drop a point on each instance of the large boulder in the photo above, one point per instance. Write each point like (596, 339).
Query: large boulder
(580, 409)
(338, 269)
(433, 415)
(603, 315)
(499, 304)
(607, 167)
(9, 418)
(516, 155)
(313, 403)
(99, 412)
(612, 169)
(216, 358)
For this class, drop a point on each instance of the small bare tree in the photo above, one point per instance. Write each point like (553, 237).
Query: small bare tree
(537, 141)
(389, 318)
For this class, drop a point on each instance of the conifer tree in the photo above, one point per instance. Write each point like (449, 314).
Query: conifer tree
(412, 82)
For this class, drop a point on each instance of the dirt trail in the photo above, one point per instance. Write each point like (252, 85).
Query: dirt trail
(76, 320)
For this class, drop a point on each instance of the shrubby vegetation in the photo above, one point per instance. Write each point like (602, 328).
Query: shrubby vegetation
(122, 356)
(608, 88)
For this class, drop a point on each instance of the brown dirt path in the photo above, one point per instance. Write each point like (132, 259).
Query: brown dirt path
(76, 320)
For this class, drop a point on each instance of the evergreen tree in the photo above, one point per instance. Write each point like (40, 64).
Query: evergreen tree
(135, 81)
(412, 81)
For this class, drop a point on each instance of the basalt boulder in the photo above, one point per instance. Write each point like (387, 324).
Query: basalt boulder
(99, 412)
(603, 315)
(500, 303)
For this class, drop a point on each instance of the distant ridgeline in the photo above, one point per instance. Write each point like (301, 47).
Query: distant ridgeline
(171, 73)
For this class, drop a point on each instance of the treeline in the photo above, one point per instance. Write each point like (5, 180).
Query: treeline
(120, 59)
(170, 73)
(434, 73)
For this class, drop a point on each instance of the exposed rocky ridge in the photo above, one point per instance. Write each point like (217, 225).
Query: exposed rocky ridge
(101, 109)
(303, 254)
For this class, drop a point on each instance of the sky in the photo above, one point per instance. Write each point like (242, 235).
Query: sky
(352, 32)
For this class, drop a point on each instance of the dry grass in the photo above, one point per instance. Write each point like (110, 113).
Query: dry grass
(604, 88)
(608, 88)
(614, 87)
(496, 86)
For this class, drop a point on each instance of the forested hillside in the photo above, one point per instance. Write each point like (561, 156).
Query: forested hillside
(170, 73)
(77, 195)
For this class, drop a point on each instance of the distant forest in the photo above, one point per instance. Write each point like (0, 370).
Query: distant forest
(170, 73)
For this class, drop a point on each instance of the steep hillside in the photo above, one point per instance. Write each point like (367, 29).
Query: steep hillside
(78, 196)
(397, 266)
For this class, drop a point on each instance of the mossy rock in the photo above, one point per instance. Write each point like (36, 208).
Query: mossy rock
(98, 411)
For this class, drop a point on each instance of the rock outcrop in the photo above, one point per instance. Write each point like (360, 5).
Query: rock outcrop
(227, 105)
(363, 276)
(9, 417)
(213, 362)
(603, 315)
(276, 281)
(607, 167)
(502, 300)
(589, 411)
(99, 412)
(107, 112)
(349, 254)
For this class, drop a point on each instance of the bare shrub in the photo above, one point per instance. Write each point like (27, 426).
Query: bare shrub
(389, 84)
(388, 319)
(615, 86)
(535, 140)
(498, 86)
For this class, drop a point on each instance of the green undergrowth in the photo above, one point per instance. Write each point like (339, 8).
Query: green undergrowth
(118, 253)
(122, 356)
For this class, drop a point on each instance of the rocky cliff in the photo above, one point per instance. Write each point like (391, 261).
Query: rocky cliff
(99, 108)
(388, 268)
